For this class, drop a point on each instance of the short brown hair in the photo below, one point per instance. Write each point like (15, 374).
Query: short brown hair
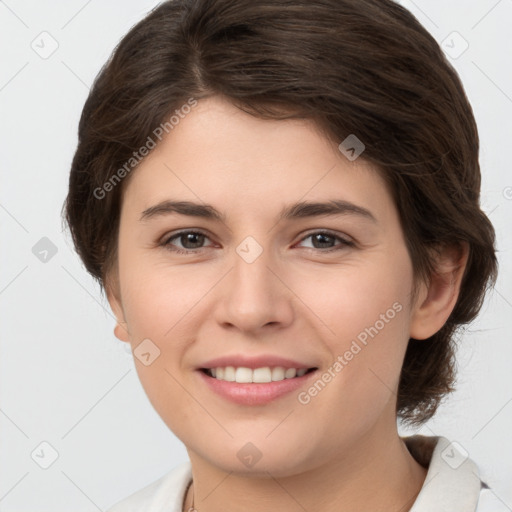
(363, 67)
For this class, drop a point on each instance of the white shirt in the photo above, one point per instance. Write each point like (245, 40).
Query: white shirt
(452, 483)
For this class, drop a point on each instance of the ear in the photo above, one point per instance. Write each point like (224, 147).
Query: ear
(114, 299)
(437, 299)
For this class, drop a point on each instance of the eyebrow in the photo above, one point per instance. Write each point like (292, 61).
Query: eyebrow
(299, 210)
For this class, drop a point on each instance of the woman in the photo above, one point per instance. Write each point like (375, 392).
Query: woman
(281, 201)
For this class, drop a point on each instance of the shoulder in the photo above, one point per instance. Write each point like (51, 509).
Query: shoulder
(452, 481)
(489, 502)
(165, 494)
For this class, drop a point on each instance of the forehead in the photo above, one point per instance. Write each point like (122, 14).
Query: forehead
(224, 156)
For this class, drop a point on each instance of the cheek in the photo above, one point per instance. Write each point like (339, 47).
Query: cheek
(156, 294)
(348, 301)
(363, 316)
(159, 307)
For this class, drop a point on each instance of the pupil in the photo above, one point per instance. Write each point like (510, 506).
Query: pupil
(322, 236)
(189, 237)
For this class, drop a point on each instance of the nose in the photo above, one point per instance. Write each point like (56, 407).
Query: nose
(255, 294)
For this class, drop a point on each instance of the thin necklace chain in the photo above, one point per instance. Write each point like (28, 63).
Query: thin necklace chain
(191, 509)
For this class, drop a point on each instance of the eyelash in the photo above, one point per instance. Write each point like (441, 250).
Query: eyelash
(344, 243)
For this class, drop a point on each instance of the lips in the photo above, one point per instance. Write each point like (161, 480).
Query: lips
(255, 394)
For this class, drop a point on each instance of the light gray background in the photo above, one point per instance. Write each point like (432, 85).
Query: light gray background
(66, 380)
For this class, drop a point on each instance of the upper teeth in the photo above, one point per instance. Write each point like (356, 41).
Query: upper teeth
(265, 374)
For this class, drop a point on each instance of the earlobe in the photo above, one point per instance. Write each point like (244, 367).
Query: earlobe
(438, 298)
(121, 332)
(121, 329)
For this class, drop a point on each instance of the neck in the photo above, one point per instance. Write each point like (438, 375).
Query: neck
(339, 484)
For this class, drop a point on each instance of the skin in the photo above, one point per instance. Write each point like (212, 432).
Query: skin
(294, 300)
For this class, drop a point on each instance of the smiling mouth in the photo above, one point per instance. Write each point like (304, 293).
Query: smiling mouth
(243, 375)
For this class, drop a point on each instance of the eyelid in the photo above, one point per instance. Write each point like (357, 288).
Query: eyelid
(345, 238)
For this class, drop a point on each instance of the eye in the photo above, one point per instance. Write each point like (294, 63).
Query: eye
(323, 239)
(191, 241)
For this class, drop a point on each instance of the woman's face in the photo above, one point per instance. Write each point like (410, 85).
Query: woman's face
(259, 284)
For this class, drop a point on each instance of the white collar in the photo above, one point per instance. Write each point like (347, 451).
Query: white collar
(452, 482)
